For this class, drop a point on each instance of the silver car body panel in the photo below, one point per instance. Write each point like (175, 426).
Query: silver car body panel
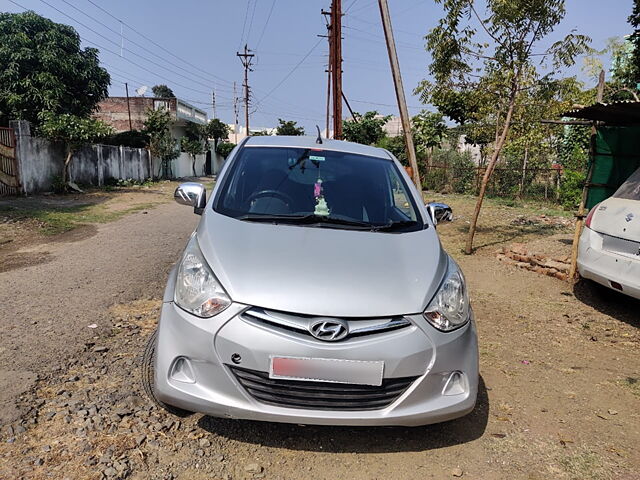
(281, 278)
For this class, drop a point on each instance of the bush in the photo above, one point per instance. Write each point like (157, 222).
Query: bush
(224, 148)
(132, 139)
(571, 185)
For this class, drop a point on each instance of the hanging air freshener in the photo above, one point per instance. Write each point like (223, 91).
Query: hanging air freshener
(322, 209)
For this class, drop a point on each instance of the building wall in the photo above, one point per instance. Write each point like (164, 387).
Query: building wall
(40, 160)
(115, 112)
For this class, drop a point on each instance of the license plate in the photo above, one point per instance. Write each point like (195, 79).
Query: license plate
(621, 245)
(359, 372)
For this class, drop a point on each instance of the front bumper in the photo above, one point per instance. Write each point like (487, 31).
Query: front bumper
(603, 266)
(194, 359)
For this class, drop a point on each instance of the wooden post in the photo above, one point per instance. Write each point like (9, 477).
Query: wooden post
(585, 190)
(397, 81)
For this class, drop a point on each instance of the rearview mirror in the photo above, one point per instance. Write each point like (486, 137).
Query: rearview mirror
(193, 195)
(439, 212)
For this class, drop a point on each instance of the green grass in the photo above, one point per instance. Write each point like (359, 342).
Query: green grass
(56, 220)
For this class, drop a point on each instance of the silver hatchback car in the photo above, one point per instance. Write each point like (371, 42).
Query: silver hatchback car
(314, 291)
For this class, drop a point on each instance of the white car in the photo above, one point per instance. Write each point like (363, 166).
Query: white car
(609, 248)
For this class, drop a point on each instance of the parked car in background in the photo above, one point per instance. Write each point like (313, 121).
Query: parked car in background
(315, 291)
(609, 248)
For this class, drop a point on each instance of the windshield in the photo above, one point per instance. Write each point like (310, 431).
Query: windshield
(317, 187)
(630, 190)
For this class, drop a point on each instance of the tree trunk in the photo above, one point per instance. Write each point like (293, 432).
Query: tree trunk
(487, 174)
(524, 172)
(65, 170)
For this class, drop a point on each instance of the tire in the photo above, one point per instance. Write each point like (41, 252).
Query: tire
(147, 377)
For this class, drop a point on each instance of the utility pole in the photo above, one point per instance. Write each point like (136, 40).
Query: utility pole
(246, 58)
(336, 66)
(235, 113)
(585, 190)
(329, 38)
(126, 87)
(397, 80)
(213, 102)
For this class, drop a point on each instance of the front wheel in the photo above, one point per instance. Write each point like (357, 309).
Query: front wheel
(148, 377)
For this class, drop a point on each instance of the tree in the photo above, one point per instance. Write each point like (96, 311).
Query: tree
(44, 69)
(162, 91)
(491, 69)
(224, 148)
(161, 144)
(261, 133)
(193, 142)
(288, 127)
(367, 129)
(218, 130)
(634, 20)
(429, 130)
(75, 132)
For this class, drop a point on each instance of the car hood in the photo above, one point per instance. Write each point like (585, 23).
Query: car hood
(323, 271)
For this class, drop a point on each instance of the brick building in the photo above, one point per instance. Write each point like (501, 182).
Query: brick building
(115, 112)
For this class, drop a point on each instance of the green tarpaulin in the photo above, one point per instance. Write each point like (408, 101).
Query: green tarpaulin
(617, 156)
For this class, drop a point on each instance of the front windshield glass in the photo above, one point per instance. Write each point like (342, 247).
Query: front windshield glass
(317, 187)
(630, 190)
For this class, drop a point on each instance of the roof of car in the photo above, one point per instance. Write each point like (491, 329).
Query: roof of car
(307, 141)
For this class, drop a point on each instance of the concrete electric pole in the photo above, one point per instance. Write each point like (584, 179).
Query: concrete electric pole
(246, 58)
(397, 81)
(336, 66)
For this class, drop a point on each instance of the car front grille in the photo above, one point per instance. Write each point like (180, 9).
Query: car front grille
(320, 395)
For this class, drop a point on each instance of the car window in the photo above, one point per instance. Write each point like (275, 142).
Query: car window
(630, 190)
(400, 198)
(314, 182)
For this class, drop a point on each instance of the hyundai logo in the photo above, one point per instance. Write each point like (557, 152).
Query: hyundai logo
(629, 217)
(329, 330)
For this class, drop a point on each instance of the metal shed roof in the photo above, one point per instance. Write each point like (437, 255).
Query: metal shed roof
(626, 112)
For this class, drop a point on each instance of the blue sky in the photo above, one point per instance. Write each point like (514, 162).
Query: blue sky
(191, 46)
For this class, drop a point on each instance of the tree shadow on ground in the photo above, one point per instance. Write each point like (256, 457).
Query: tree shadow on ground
(487, 236)
(607, 301)
(356, 439)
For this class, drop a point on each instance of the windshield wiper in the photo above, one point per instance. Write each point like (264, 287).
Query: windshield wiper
(394, 226)
(310, 219)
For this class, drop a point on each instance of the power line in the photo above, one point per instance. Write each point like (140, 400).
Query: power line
(244, 25)
(253, 13)
(158, 45)
(264, 28)
(118, 33)
(291, 72)
(115, 43)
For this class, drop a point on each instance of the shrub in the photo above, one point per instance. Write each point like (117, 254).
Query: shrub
(224, 148)
(571, 185)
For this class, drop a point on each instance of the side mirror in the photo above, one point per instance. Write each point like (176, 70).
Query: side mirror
(193, 195)
(439, 212)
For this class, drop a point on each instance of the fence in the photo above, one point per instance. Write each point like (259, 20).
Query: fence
(36, 162)
(538, 183)
(9, 176)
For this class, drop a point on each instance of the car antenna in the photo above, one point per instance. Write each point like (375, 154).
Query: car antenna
(319, 139)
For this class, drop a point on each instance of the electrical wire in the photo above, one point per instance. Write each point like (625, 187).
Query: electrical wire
(291, 72)
(264, 28)
(158, 45)
(124, 37)
(116, 43)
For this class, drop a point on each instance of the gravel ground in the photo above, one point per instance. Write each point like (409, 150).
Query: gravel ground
(47, 306)
(559, 397)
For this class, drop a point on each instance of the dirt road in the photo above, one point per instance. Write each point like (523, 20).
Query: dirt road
(559, 397)
(46, 308)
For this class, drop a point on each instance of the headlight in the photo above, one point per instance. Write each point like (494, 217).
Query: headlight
(449, 309)
(197, 289)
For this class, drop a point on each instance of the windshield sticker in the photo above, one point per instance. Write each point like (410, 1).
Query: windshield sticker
(316, 158)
